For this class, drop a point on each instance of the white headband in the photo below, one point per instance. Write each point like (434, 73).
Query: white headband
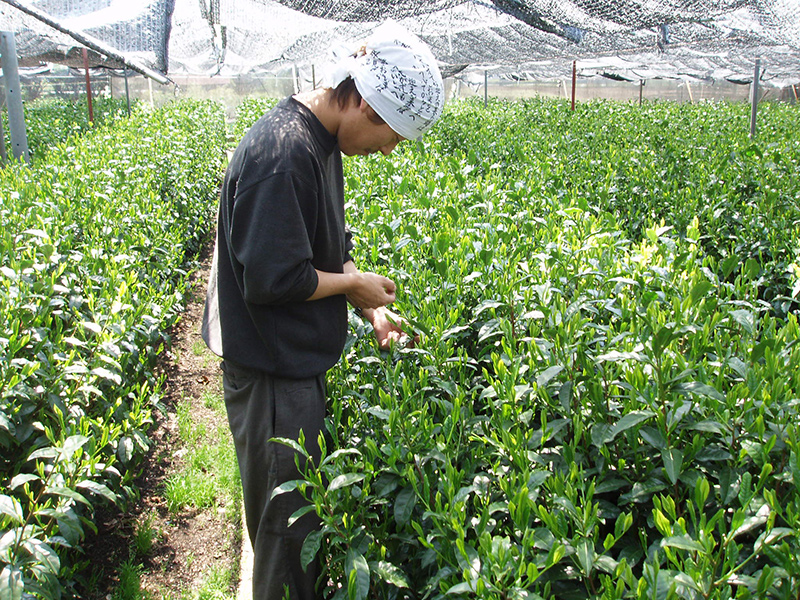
(398, 77)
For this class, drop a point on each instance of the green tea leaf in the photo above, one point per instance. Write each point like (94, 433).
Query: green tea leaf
(673, 462)
(296, 515)
(11, 583)
(546, 376)
(12, 508)
(22, 479)
(404, 505)
(745, 318)
(97, 488)
(391, 574)
(356, 563)
(683, 542)
(310, 548)
(699, 291)
(632, 419)
(586, 554)
(615, 356)
(288, 486)
(344, 480)
(292, 444)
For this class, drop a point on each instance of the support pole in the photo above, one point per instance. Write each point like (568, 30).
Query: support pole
(689, 89)
(574, 78)
(313, 78)
(641, 89)
(485, 88)
(794, 89)
(754, 98)
(88, 85)
(127, 92)
(3, 154)
(16, 114)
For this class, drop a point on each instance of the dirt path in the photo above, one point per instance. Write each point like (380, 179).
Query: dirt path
(192, 543)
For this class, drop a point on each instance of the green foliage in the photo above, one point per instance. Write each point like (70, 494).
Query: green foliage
(210, 475)
(95, 243)
(248, 112)
(603, 404)
(130, 582)
(50, 122)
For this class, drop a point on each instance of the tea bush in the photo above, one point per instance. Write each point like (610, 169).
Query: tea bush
(248, 112)
(96, 240)
(603, 403)
(51, 121)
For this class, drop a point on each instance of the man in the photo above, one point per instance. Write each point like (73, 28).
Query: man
(276, 310)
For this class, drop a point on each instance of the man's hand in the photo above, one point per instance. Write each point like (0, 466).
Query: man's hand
(390, 328)
(363, 290)
(370, 290)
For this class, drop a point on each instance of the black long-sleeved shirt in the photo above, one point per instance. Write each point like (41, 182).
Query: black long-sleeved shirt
(281, 217)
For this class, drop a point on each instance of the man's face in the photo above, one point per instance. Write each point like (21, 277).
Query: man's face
(360, 135)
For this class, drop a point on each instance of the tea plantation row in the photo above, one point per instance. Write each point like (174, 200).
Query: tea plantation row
(52, 121)
(604, 400)
(96, 237)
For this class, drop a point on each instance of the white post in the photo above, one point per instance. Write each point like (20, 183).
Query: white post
(754, 98)
(16, 114)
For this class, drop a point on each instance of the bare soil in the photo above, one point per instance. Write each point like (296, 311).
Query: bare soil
(189, 544)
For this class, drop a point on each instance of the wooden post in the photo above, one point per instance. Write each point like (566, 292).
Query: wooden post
(88, 85)
(689, 89)
(16, 113)
(574, 78)
(754, 98)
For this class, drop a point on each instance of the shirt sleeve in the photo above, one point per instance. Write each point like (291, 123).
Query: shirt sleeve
(269, 233)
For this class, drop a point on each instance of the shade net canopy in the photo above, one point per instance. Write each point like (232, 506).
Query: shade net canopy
(520, 39)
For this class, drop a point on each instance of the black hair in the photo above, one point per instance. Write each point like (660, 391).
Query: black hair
(346, 93)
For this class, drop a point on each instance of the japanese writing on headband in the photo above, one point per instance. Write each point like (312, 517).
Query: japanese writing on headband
(417, 97)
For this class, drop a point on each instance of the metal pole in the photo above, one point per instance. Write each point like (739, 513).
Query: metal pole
(127, 92)
(88, 85)
(754, 98)
(313, 78)
(3, 154)
(641, 88)
(485, 88)
(574, 77)
(16, 114)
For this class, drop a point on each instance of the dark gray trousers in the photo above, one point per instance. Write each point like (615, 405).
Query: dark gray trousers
(260, 407)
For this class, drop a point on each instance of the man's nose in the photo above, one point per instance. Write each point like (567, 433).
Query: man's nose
(387, 149)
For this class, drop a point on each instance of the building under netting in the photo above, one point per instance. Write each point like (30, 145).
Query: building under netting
(684, 50)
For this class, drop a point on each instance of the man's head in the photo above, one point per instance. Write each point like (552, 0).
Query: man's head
(397, 77)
